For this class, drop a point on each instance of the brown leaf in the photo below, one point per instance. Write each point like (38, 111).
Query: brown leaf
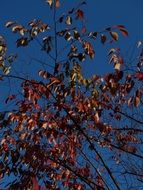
(103, 38)
(11, 97)
(117, 66)
(89, 49)
(139, 76)
(80, 14)
(57, 3)
(124, 32)
(136, 101)
(17, 28)
(22, 42)
(114, 35)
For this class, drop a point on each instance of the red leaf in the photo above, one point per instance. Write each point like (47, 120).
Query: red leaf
(139, 76)
(11, 97)
(80, 14)
(124, 32)
(83, 30)
(35, 184)
(122, 29)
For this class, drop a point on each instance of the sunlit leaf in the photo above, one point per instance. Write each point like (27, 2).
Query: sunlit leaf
(9, 24)
(17, 28)
(22, 42)
(68, 20)
(76, 35)
(6, 70)
(89, 49)
(44, 74)
(114, 35)
(68, 36)
(50, 2)
(117, 66)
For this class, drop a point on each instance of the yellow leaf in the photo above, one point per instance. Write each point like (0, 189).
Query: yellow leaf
(50, 2)
(1, 48)
(117, 66)
(69, 20)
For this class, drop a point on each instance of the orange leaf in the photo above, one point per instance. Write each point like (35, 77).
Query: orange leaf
(124, 32)
(139, 76)
(57, 3)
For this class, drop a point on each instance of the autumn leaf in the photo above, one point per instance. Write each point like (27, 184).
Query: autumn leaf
(136, 101)
(80, 14)
(10, 98)
(50, 2)
(89, 49)
(139, 75)
(83, 30)
(6, 70)
(68, 20)
(57, 3)
(76, 35)
(114, 35)
(17, 28)
(44, 74)
(117, 66)
(68, 36)
(9, 24)
(103, 38)
(22, 42)
(122, 30)
(35, 184)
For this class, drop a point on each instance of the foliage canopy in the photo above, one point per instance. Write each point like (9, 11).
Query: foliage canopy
(66, 131)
